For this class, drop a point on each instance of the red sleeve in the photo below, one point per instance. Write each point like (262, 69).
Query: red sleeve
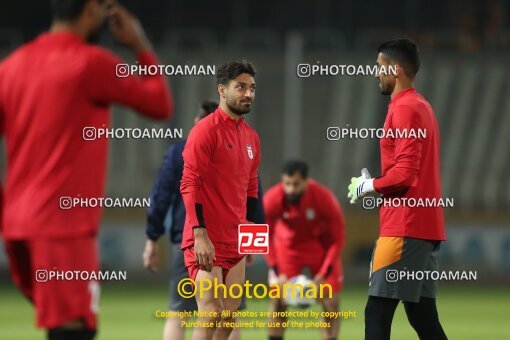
(1, 102)
(273, 211)
(336, 231)
(150, 95)
(197, 155)
(407, 153)
(253, 185)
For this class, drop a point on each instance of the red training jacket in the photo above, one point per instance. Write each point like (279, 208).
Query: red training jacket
(50, 89)
(315, 226)
(221, 159)
(410, 169)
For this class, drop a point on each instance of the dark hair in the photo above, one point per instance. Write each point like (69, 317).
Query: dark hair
(231, 69)
(292, 166)
(67, 9)
(404, 52)
(208, 107)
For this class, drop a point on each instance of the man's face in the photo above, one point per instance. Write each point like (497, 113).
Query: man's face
(240, 93)
(386, 79)
(294, 186)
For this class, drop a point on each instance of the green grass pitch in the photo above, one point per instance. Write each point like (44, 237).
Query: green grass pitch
(127, 312)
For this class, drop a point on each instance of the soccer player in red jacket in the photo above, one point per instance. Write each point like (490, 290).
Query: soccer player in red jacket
(409, 237)
(50, 90)
(219, 187)
(307, 230)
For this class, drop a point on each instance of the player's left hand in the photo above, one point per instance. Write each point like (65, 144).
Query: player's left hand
(360, 186)
(151, 255)
(126, 28)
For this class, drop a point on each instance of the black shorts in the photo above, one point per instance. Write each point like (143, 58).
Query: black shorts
(394, 262)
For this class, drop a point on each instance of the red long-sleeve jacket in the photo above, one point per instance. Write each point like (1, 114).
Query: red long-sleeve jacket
(315, 226)
(50, 90)
(410, 169)
(221, 160)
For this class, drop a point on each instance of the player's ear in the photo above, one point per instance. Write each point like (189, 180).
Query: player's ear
(90, 9)
(396, 70)
(221, 90)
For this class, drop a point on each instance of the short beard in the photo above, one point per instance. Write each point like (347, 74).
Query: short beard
(293, 199)
(237, 110)
(95, 37)
(386, 91)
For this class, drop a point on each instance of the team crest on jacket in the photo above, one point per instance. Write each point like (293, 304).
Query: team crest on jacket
(250, 151)
(310, 214)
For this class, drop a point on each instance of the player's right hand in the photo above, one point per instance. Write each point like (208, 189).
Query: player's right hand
(126, 28)
(204, 250)
(151, 255)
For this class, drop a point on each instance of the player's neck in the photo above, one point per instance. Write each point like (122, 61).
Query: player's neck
(399, 87)
(61, 26)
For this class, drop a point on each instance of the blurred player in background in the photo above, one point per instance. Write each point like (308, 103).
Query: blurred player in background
(50, 90)
(167, 208)
(219, 187)
(409, 238)
(306, 227)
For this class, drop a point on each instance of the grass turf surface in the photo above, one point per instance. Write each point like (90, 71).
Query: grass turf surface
(127, 312)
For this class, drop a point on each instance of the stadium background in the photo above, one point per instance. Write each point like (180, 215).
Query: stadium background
(464, 74)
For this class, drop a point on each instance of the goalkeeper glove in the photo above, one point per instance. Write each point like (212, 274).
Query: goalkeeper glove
(360, 186)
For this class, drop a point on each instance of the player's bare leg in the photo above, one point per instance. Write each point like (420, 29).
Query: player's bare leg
(173, 329)
(73, 324)
(207, 304)
(276, 306)
(235, 335)
(234, 276)
(71, 328)
(331, 305)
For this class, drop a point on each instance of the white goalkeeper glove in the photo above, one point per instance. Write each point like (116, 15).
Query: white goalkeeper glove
(360, 186)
